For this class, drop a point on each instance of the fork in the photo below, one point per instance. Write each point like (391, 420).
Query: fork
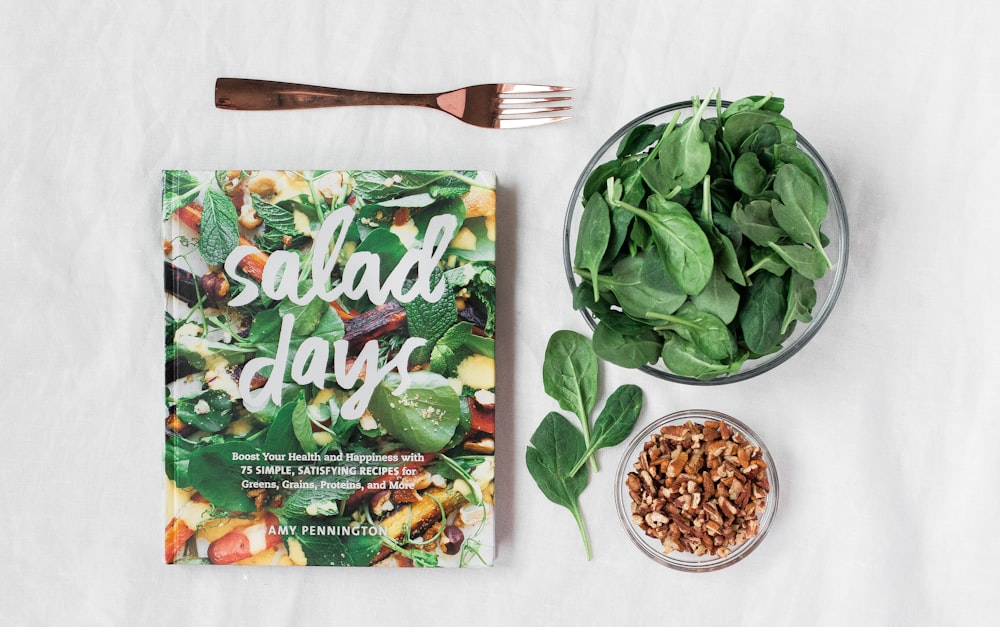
(494, 105)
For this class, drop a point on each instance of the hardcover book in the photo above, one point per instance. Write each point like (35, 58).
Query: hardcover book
(330, 368)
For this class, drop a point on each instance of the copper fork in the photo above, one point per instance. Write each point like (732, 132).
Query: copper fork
(495, 105)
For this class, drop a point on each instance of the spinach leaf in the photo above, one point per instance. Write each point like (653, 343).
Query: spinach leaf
(762, 314)
(628, 350)
(787, 153)
(748, 175)
(302, 425)
(569, 374)
(592, 240)
(802, 208)
(766, 259)
(739, 126)
(177, 456)
(756, 221)
(387, 247)
(680, 242)
(808, 262)
(555, 447)
(598, 179)
(638, 139)
(209, 410)
(754, 103)
(281, 434)
(307, 316)
(219, 233)
(801, 301)
(641, 284)
(215, 472)
(682, 157)
(424, 417)
(707, 332)
(726, 258)
(682, 357)
(615, 422)
(719, 297)
(265, 330)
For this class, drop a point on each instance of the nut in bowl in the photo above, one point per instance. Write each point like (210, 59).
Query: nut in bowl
(705, 242)
(696, 490)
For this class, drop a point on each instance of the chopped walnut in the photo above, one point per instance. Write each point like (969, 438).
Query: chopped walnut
(699, 488)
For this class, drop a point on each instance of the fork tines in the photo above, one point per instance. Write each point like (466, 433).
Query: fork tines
(514, 112)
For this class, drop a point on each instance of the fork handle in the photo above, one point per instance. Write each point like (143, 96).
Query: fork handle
(247, 94)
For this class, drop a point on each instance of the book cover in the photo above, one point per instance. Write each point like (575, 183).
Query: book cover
(330, 370)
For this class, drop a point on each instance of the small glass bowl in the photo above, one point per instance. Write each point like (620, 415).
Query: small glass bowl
(652, 547)
(827, 289)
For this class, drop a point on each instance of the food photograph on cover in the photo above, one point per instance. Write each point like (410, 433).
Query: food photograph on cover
(329, 349)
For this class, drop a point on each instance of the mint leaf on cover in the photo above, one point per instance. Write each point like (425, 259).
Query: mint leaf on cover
(220, 232)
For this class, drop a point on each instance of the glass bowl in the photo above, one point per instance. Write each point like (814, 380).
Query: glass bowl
(652, 547)
(827, 289)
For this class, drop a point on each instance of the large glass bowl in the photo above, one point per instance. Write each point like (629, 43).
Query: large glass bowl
(652, 547)
(827, 289)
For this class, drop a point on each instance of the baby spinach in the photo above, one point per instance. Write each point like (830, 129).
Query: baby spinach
(209, 410)
(615, 422)
(809, 262)
(628, 350)
(684, 358)
(595, 231)
(680, 242)
(213, 472)
(558, 450)
(756, 221)
(424, 417)
(682, 157)
(801, 300)
(569, 375)
(715, 239)
(802, 209)
(640, 284)
(760, 319)
(555, 448)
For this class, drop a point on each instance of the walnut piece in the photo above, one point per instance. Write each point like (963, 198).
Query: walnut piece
(699, 488)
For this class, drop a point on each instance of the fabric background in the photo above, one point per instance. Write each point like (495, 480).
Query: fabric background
(884, 428)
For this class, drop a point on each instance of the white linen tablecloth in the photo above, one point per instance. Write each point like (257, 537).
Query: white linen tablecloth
(885, 428)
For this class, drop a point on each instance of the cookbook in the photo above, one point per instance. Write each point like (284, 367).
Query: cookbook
(330, 368)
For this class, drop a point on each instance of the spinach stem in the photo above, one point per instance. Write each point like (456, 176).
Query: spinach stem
(672, 319)
(582, 528)
(585, 427)
(706, 199)
(656, 149)
(587, 455)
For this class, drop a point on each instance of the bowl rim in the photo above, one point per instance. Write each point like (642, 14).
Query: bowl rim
(693, 563)
(837, 209)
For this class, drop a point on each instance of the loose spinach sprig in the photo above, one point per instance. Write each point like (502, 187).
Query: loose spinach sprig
(558, 450)
(700, 243)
